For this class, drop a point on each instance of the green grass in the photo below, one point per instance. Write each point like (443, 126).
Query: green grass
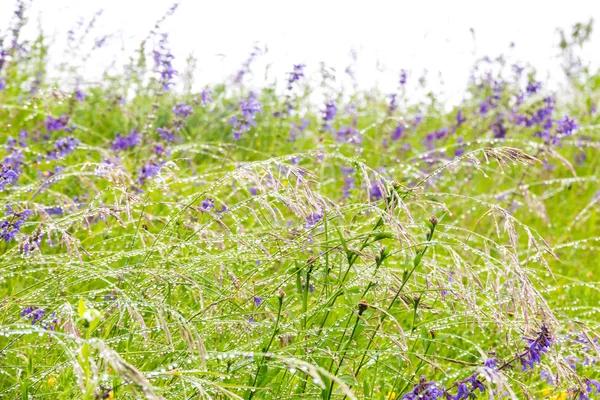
(157, 296)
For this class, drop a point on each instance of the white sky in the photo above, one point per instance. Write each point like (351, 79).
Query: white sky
(414, 35)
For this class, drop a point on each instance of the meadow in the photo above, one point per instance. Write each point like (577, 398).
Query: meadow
(239, 243)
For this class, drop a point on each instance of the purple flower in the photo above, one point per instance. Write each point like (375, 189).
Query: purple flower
(460, 119)
(498, 129)
(295, 75)
(167, 135)
(248, 110)
(246, 65)
(328, 115)
(122, 143)
(536, 347)
(349, 134)
(258, 301)
(56, 124)
(63, 147)
(148, 171)
(377, 190)
(592, 386)
(205, 97)
(54, 211)
(2, 84)
(79, 95)
(424, 391)
(7, 176)
(313, 219)
(566, 126)
(393, 105)
(398, 131)
(460, 150)
(36, 315)
(182, 110)
(484, 107)
(208, 203)
(13, 224)
(403, 77)
(533, 87)
(163, 65)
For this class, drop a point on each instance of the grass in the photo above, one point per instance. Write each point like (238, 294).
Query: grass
(342, 263)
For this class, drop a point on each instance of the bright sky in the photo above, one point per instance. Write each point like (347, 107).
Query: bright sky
(387, 35)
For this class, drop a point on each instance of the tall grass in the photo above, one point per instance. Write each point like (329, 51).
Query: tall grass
(359, 250)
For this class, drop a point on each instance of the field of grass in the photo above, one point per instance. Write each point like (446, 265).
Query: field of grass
(250, 244)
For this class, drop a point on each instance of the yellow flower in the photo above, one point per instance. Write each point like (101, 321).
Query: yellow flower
(560, 396)
(111, 395)
(390, 396)
(51, 381)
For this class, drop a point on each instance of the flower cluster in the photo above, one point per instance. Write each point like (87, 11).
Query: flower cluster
(328, 115)
(7, 176)
(57, 124)
(122, 143)
(12, 225)
(536, 347)
(148, 171)
(63, 147)
(248, 110)
(205, 97)
(163, 63)
(36, 315)
(295, 75)
(167, 135)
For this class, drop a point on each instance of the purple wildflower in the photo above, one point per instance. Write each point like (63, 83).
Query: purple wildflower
(208, 204)
(536, 347)
(567, 126)
(7, 176)
(349, 134)
(424, 391)
(246, 65)
(398, 131)
(403, 76)
(484, 107)
(313, 219)
(248, 110)
(182, 110)
(122, 143)
(2, 84)
(328, 116)
(258, 301)
(533, 87)
(377, 190)
(592, 386)
(56, 124)
(460, 119)
(167, 135)
(205, 97)
(295, 75)
(63, 147)
(13, 224)
(163, 65)
(79, 95)
(498, 129)
(148, 171)
(393, 104)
